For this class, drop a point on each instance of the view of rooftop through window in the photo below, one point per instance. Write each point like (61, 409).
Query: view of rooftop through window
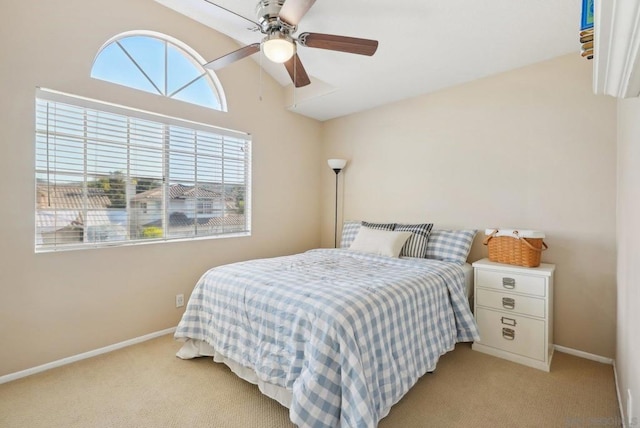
(156, 64)
(109, 175)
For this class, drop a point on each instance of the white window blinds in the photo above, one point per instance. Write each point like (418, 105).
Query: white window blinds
(108, 175)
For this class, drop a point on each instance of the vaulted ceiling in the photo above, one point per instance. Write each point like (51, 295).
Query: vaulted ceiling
(424, 45)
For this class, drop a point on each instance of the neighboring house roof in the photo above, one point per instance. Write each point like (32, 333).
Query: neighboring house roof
(70, 197)
(179, 191)
(49, 220)
(52, 220)
(181, 220)
(199, 192)
(59, 206)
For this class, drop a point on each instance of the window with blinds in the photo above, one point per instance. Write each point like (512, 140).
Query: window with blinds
(109, 175)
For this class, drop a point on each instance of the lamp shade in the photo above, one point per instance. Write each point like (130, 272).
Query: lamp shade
(278, 47)
(337, 163)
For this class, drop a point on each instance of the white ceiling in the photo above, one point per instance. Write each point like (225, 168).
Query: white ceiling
(424, 45)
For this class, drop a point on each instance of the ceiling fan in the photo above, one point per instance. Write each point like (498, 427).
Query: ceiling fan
(278, 21)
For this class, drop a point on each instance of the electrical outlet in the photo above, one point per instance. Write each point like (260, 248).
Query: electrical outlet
(629, 407)
(179, 300)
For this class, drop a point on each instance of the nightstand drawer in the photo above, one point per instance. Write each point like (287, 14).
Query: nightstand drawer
(534, 285)
(509, 302)
(512, 333)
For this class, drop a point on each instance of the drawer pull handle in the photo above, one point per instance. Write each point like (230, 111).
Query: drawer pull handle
(509, 283)
(508, 333)
(508, 303)
(508, 321)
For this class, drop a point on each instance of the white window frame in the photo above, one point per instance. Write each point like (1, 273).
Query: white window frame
(238, 138)
(191, 54)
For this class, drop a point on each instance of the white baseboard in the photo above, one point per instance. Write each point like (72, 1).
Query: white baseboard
(583, 354)
(599, 359)
(83, 356)
(615, 377)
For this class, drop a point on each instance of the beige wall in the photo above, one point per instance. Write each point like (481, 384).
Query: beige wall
(628, 345)
(531, 148)
(57, 305)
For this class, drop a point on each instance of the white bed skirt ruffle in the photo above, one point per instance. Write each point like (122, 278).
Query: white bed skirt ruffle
(197, 348)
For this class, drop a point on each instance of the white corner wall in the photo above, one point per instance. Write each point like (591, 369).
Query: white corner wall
(628, 317)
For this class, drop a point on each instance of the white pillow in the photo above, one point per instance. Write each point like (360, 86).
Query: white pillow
(380, 242)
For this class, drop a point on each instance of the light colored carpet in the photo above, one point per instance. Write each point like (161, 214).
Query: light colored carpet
(146, 386)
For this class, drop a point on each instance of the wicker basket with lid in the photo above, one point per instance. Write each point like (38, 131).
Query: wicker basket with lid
(515, 246)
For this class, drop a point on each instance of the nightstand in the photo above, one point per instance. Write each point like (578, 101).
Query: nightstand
(513, 306)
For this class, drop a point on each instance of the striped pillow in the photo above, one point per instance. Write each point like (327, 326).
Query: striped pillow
(450, 245)
(416, 245)
(379, 226)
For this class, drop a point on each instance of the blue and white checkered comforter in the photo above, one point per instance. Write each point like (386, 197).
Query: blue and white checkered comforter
(348, 333)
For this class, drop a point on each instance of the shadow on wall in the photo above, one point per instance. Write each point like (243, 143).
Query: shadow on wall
(478, 250)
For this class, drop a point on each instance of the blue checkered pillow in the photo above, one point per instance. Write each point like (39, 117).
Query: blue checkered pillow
(416, 245)
(450, 245)
(350, 229)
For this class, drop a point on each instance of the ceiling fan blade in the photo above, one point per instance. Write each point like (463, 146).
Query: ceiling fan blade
(293, 10)
(339, 43)
(297, 72)
(232, 57)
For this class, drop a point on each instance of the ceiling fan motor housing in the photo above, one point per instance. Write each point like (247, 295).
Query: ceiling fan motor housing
(267, 11)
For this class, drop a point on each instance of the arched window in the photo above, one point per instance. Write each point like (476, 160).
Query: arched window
(159, 64)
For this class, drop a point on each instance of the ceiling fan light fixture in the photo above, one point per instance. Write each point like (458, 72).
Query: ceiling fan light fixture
(278, 47)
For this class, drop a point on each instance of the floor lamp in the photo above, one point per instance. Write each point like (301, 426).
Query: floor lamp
(336, 165)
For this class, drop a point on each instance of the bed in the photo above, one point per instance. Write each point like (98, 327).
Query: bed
(337, 336)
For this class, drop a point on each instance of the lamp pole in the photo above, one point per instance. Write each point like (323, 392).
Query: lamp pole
(335, 221)
(336, 165)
